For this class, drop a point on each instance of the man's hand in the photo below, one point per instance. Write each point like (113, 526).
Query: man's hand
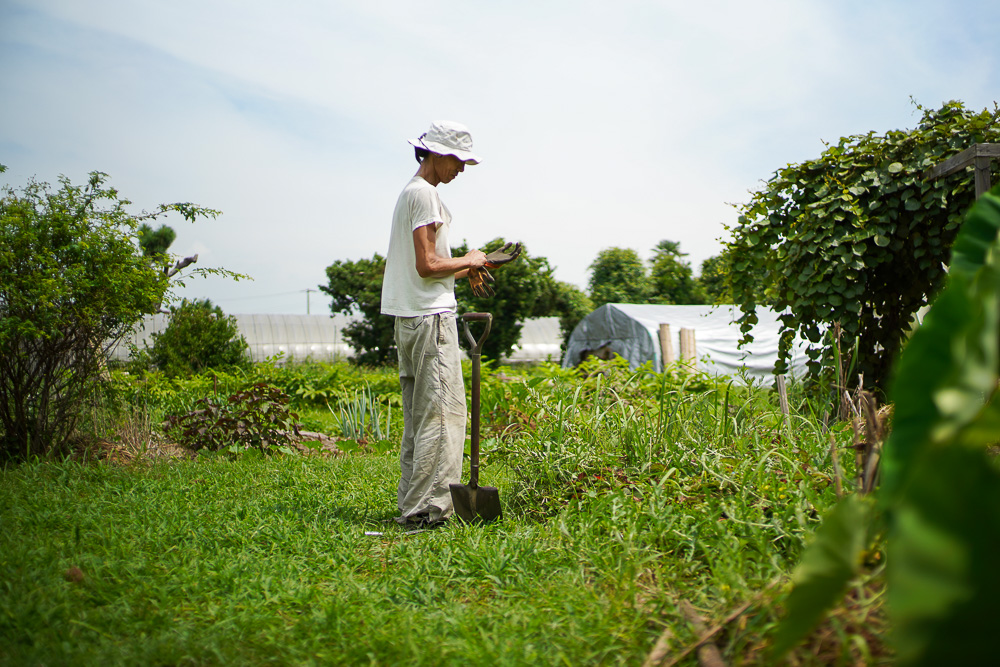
(503, 255)
(479, 280)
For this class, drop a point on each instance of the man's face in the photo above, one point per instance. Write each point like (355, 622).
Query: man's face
(447, 167)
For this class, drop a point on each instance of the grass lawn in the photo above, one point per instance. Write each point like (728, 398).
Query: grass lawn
(258, 561)
(617, 513)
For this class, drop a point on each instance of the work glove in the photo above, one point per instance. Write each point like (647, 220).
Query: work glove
(503, 255)
(480, 280)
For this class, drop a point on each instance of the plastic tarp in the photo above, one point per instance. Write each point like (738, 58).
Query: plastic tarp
(633, 331)
(299, 337)
(321, 337)
(541, 340)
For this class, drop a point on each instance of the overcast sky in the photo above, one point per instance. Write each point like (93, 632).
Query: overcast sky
(600, 123)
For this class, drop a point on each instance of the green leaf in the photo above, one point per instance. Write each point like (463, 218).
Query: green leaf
(895, 167)
(943, 580)
(881, 241)
(827, 566)
(977, 235)
(951, 362)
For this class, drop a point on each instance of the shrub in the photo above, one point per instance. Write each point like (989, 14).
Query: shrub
(255, 417)
(72, 283)
(199, 336)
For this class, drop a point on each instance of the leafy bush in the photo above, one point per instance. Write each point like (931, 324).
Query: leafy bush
(72, 283)
(256, 417)
(199, 336)
(857, 237)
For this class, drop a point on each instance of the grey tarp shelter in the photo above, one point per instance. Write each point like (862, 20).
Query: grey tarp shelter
(633, 331)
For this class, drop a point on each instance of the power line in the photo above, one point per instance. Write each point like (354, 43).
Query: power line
(267, 296)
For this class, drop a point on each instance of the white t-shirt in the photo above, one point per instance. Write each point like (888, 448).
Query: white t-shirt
(404, 292)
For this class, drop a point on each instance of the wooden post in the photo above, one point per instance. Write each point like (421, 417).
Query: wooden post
(782, 394)
(666, 347)
(689, 350)
(982, 168)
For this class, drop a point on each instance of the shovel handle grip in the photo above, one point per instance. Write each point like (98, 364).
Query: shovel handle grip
(477, 345)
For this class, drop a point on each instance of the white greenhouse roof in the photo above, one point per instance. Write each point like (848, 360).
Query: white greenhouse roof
(633, 331)
(320, 337)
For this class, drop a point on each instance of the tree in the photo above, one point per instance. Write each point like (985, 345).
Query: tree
(714, 279)
(524, 288)
(72, 283)
(618, 276)
(671, 278)
(155, 243)
(356, 289)
(198, 337)
(571, 305)
(857, 237)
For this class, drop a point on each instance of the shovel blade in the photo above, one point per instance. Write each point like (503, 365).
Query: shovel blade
(479, 504)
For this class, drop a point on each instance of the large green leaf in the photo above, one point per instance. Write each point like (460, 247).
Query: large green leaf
(949, 368)
(941, 493)
(978, 234)
(944, 583)
(827, 566)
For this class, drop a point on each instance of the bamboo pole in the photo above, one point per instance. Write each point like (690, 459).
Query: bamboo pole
(689, 349)
(666, 347)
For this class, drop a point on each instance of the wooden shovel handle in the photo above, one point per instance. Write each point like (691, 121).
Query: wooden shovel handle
(476, 353)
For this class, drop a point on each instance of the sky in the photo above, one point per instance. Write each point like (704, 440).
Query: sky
(600, 124)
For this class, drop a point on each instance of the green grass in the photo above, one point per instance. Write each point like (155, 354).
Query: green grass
(614, 513)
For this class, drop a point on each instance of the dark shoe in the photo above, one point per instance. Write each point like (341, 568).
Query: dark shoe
(418, 519)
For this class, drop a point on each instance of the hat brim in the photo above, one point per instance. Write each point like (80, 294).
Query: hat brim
(467, 157)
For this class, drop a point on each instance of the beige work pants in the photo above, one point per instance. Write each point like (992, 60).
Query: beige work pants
(434, 413)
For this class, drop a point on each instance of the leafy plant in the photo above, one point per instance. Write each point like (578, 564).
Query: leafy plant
(671, 279)
(857, 237)
(256, 417)
(72, 283)
(198, 336)
(362, 417)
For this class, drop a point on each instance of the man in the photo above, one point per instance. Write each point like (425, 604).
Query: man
(419, 291)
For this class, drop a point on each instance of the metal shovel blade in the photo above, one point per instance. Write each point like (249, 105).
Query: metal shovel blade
(476, 504)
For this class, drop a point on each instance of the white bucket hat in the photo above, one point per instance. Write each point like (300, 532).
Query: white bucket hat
(448, 138)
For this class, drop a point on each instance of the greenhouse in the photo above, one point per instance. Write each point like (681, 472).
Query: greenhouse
(633, 331)
(321, 337)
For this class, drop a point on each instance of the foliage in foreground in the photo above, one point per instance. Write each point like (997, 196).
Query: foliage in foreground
(72, 283)
(857, 237)
(940, 496)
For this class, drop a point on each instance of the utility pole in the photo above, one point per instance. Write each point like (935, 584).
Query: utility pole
(307, 299)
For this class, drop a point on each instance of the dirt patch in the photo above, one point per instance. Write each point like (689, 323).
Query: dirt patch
(157, 448)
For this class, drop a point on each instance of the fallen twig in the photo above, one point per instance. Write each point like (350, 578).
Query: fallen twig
(708, 653)
(660, 650)
(707, 635)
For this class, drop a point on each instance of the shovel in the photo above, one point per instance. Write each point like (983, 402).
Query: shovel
(474, 503)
